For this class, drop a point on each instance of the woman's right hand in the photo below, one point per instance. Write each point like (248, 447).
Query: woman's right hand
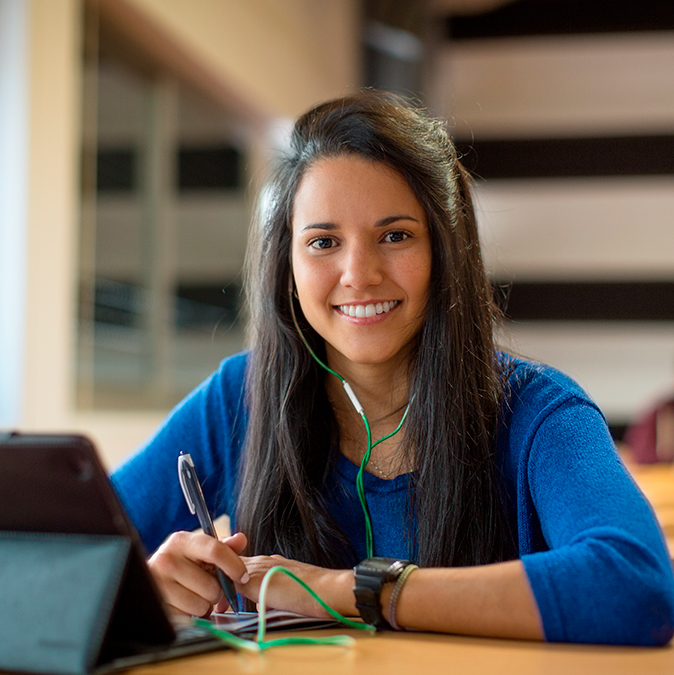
(184, 569)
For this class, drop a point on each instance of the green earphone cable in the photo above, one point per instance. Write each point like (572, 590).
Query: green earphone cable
(360, 488)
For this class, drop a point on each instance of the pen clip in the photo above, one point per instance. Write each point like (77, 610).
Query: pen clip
(185, 463)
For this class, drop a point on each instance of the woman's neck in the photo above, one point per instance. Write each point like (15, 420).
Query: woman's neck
(381, 388)
(383, 391)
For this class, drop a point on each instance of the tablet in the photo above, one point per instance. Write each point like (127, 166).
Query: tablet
(56, 485)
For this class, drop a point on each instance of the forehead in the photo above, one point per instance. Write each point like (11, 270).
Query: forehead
(352, 186)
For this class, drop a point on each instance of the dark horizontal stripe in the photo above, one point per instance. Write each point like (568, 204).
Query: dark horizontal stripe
(208, 168)
(569, 157)
(212, 168)
(591, 301)
(124, 303)
(227, 295)
(564, 17)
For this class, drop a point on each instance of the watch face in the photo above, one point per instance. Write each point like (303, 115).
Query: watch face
(382, 566)
(377, 565)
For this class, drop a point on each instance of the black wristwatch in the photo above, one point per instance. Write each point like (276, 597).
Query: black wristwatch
(371, 575)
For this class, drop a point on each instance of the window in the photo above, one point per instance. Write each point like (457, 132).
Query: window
(164, 223)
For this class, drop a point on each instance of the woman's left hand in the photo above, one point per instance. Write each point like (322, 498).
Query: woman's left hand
(335, 587)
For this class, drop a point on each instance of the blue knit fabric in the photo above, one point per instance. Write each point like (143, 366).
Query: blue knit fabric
(592, 551)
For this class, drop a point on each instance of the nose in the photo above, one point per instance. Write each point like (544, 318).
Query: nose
(361, 267)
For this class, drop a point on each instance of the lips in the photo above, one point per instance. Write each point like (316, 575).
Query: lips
(368, 310)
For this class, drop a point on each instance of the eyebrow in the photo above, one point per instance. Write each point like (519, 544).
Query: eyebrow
(380, 223)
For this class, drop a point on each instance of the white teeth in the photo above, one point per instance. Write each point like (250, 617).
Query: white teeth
(363, 311)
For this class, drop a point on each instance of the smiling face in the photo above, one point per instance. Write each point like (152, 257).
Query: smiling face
(361, 259)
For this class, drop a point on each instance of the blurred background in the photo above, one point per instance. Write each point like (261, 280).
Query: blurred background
(134, 136)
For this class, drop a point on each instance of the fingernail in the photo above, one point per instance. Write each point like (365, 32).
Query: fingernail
(245, 578)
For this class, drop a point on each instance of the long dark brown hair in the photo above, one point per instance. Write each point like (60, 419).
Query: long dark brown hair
(292, 440)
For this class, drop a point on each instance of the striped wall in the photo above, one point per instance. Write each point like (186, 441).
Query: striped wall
(565, 112)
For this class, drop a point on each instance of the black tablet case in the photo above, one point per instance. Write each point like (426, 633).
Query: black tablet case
(75, 593)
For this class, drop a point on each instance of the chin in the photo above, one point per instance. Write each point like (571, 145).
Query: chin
(371, 358)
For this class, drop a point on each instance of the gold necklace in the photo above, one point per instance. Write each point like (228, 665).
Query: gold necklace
(374, 464)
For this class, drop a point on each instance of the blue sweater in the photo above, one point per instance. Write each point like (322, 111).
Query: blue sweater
(591, 547)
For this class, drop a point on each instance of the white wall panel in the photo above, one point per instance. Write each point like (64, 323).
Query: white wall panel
(578, 229)
(567, 85)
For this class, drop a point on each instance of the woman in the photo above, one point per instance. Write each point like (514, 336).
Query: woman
(496, 476)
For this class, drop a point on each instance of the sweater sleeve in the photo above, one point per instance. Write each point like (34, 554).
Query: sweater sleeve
(209, 424)
(606, 577)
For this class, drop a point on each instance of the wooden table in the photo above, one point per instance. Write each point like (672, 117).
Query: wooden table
(426, 654)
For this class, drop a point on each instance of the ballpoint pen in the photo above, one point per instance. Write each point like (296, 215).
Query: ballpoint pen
(189, 482)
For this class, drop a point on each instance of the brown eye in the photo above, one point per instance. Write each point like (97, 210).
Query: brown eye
(395, 237)
(322, 243)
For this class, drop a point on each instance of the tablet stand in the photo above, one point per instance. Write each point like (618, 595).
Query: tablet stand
(72, 603)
